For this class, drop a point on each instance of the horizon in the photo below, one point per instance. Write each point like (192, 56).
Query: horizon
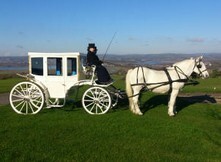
(115, 54)
(141, 26)
(13, 63)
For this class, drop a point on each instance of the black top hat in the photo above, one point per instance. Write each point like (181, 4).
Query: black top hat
(91, 45)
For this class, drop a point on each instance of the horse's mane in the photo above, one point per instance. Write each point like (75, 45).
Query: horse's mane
(177, 63)
(180, 62)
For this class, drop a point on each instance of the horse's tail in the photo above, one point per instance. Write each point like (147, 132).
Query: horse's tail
(129, 89)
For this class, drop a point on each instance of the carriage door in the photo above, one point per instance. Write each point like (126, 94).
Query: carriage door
(55, 77)
(72, 75)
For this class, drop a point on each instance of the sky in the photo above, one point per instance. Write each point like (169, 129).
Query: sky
(136, 26)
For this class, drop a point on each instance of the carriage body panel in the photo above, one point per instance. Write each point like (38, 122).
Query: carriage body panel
(58, 72)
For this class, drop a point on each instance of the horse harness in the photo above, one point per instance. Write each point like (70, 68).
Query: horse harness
(159, 84)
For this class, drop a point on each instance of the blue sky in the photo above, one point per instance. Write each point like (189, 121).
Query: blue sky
(142, 26)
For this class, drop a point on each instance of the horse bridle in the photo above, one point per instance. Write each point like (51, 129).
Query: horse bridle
(199, 66)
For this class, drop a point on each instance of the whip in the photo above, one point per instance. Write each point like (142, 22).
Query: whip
(109, 45)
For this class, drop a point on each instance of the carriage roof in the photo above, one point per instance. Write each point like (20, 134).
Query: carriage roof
(46, 54)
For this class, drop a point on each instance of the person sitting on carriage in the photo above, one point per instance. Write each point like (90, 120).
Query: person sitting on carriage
(92, 59)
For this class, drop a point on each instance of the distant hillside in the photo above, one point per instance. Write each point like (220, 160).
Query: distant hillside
(14, 63)
(162, 60)
(150, 60)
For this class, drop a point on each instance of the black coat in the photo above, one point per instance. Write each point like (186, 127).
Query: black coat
(102, 73)
(92, 59)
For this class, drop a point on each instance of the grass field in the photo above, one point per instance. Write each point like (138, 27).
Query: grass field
(70, 134)
(209, 85)
(7, 84)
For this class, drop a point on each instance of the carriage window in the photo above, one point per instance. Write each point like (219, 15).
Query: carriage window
(72, 66)
(37, 66)
(55, 66)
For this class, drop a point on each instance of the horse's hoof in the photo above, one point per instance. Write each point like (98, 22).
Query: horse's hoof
(171, 114)
(139, 113)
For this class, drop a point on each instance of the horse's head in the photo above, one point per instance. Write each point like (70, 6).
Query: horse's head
(200, 68)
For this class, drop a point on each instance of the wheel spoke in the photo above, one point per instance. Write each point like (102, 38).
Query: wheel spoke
(36, 98)
(36, 103)
(19, 92)
(103, 105)
(18, 96)
(22, 90)
(92, 93)
(19, 104)
(89, 104)
(34, 108)
(30, 106)
(35, 92)
(102, 98)
(92, 108)
(101, 94)
(23, 105)
(100, 107)
(92, 97)
(26, 90)
(88, 100)
(96, 108)
(18, 100)
(26, 104)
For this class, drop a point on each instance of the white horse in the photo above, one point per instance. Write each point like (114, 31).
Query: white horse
(171, 80)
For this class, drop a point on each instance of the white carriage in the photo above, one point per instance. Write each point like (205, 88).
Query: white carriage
(51, 75)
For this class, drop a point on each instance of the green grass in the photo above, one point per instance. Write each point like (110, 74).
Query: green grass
(7, 84)
(70, 134)
(209, 85)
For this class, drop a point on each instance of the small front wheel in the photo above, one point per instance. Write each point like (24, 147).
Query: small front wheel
(96, 100)
(26, 98)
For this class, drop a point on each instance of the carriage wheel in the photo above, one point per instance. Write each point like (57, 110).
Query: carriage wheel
(26, 98)
(96, 100)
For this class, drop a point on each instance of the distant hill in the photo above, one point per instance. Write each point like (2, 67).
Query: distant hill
(159, 60)
(14, 63)
(150, 60)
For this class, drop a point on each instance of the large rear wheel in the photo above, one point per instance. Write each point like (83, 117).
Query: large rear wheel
(26, 98)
